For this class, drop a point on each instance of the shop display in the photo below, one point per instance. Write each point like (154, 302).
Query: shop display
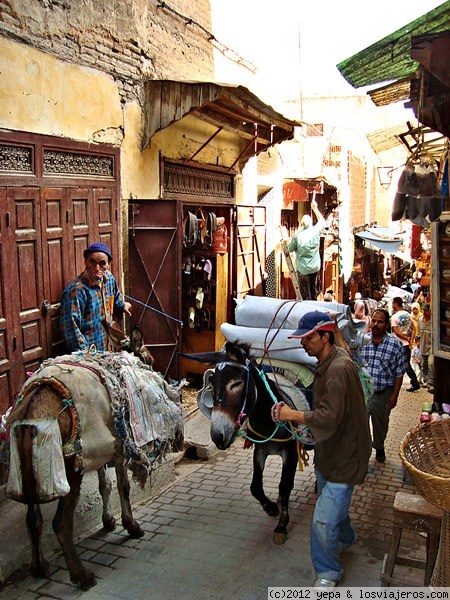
(441, 286)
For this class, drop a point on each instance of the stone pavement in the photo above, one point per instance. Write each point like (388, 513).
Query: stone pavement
(207, 538)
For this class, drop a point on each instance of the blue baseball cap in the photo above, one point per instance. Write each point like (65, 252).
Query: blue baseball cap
(313, 321)
(98, 247)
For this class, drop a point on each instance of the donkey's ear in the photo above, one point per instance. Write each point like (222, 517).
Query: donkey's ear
(209, 358)
(235, 353)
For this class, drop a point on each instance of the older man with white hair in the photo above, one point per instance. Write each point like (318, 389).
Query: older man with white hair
(306, 245)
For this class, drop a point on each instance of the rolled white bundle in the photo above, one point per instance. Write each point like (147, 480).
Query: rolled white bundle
(273, 342)
(273, 313)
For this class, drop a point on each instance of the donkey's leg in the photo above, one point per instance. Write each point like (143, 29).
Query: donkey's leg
(289, 457)
(105, 488)
(256, 487)
(63, 527)
(123, 487)
(39, 566)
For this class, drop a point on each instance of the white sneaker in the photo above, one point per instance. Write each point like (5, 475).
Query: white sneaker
(321, 583)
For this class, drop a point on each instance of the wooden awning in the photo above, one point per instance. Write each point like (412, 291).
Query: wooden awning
(226, 107)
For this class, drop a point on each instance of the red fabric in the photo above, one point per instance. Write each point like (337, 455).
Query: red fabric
(293, 192)
(416, 246)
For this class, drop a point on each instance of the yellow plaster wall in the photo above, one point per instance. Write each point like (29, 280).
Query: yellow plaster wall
(40, 94)
(140, 170)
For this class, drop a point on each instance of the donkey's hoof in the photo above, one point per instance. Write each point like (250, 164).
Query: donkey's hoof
(109, 524)
(40, 570)
(84, 580)
(272, 509)
(135, 530)
(279, 537)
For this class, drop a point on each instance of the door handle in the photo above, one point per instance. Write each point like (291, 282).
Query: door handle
(49, 309)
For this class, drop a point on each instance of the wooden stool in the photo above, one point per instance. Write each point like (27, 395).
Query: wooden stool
(412, 513)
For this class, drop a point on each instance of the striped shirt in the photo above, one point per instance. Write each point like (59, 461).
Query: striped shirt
(385, 361)
(84, 305)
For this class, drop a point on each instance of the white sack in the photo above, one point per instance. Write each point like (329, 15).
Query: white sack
(262, 312)
(48, 463)
(260, 339)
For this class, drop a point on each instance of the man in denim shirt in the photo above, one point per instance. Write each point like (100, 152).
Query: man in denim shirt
(90, 299)
(386, 363)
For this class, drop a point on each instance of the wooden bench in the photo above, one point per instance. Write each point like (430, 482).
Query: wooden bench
(412, 513)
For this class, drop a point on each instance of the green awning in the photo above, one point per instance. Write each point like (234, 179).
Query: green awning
(390, 58)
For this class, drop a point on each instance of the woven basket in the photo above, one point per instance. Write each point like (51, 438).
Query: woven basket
(425, 452)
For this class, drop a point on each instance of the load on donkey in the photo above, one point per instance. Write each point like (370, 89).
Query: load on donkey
(77, 413)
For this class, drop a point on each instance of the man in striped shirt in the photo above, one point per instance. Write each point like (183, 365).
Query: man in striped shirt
(386, 363)
(90, 299)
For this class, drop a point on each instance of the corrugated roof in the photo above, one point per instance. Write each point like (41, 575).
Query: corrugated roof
(393, 92)
(386, 139)
(411, 137)
(390, 58)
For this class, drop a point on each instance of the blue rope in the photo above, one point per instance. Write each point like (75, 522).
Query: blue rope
(286, 424)
(278, 424)
(155, 309)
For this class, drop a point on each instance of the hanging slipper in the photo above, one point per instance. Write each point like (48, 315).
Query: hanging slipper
(398, 207)
(199, 297)
(207, 270)
(191, 317)
(206, 318)
(412, 207)
(435, 208)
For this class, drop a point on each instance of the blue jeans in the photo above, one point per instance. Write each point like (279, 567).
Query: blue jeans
(331, 529)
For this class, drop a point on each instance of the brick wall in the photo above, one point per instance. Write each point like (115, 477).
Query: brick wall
(131, 40)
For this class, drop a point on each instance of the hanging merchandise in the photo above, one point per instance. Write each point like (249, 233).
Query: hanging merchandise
(444, 180)
(418, 197)
(220, 240)
(416, 245)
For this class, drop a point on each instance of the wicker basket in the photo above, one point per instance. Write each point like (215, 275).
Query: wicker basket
(425, 452)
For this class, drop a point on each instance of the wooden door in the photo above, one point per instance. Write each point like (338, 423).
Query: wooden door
(57, 262)
(56, 197)
(249, 251)
(25, 275)
(8, 363)
(154, 278)
(71, 220)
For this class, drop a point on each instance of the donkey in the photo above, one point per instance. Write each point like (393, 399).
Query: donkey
(75, 398)
(237, 391)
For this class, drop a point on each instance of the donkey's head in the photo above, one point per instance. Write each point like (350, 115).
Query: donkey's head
(133, 344)
(227, 391)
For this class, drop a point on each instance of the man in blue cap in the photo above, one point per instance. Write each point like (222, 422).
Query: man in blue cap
(339, 424)
(91, 298)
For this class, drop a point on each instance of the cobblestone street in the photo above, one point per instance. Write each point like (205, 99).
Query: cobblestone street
(207, 538)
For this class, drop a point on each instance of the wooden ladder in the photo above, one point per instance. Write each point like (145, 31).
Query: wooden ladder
(290, 264)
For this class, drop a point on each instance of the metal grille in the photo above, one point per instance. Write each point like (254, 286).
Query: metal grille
(16, 159)
(70, 163)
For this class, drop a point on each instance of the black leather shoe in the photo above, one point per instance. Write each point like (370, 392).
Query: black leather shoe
(380, 456)
(413, 388)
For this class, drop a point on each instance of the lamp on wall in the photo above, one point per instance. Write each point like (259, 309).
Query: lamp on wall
(385, 176)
